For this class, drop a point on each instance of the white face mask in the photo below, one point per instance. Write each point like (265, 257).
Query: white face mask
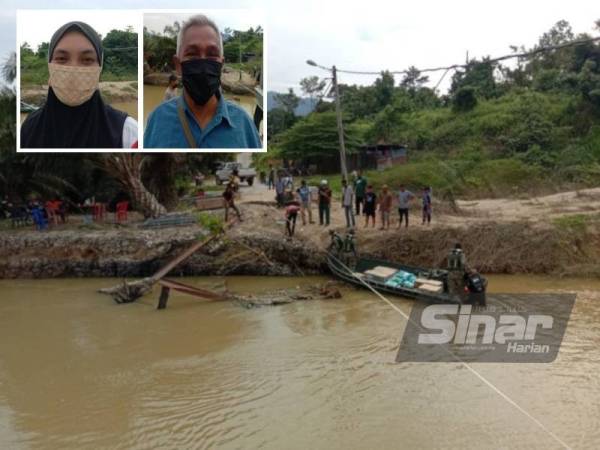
(73, 85)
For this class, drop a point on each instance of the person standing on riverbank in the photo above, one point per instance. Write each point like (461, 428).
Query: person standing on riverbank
(347, 203)
(229, 202)
(385, 206)
(279, 190)
(271, 178)
(360, 185)
(370, 205)
(404, 199)
(201, 117)
(291, 214)
(457, 268)
(324, 203)
(234, 180)
(305, 208)
(171, 91)
(426, 201)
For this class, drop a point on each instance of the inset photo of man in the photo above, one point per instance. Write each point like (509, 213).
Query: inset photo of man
(203, 80)
(78, 80)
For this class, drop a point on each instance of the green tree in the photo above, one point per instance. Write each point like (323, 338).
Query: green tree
(412, 80)
(279, 120)
(316, 136)
(120, 53)
(464, 99)
(42, 50)
(313, 88)
(478, 75)
(288, 101)
(384, 89)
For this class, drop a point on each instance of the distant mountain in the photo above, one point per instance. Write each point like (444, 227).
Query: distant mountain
(305, 107)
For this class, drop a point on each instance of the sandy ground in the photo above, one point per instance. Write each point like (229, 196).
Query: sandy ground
(117, 91)
(535, 209)
(538, 211)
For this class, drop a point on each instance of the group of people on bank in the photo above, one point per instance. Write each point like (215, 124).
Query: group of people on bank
(35, 212)
(357, 198)
(361, 198)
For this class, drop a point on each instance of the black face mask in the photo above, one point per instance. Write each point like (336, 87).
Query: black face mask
(201, 79)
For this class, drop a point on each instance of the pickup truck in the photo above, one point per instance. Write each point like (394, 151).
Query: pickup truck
(222, 175)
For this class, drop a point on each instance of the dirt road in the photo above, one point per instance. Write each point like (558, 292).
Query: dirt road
(535, 210)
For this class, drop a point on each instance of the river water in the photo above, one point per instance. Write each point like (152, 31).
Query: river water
(78, 371)
(154, 95)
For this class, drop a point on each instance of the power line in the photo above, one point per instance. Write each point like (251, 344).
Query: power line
(487, 61)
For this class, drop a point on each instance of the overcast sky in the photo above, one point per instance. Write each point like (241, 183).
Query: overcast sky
(371, 35)
(236, 19)
(375, 35)
(36, 26)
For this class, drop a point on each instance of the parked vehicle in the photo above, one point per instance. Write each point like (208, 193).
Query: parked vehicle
(244, 174)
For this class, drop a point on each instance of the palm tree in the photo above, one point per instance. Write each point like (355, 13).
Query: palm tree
(9, 68)
(8, 107)
(127, 169)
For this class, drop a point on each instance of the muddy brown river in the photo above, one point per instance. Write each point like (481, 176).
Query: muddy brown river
(153, 96)
(78, 371)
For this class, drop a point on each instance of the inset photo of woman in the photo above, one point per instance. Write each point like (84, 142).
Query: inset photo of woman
(78, 79)
(203, 80)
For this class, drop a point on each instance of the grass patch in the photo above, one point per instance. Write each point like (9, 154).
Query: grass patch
(573, 223)
(462, 178)
(211, 222)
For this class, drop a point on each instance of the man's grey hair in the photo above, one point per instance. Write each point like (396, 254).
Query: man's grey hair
(202, 21)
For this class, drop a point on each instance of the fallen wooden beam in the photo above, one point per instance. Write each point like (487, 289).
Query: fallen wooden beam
(129, 292)
(183, 256)
(192, 290)
(164, 297)
(189, 252)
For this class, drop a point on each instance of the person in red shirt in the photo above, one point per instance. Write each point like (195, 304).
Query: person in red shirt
(291, 214)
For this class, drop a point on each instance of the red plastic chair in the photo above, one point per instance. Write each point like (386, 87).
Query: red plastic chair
(99, 211)
(121, 213)
(52, 211)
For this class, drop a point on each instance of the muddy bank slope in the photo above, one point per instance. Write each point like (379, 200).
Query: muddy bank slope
(136, 253)
(258, 247)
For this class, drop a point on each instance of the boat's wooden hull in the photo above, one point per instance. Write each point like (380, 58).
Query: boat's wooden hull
(339, 270)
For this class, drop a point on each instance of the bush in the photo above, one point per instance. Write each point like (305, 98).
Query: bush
(210, 222)
(464, 99)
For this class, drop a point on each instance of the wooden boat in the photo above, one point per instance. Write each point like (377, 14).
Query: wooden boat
(357, 277)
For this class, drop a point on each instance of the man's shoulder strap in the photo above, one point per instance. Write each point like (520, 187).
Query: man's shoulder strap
(189, 137)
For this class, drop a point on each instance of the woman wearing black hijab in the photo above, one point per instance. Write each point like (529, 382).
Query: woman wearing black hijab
(74, 115)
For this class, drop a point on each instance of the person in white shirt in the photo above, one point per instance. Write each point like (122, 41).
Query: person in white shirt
(347, 202)
(171, 91)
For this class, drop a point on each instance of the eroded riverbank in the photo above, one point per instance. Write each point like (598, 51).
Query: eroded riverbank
(257, 246)
(556, 234)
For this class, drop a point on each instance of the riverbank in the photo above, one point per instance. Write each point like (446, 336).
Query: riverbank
(112, 92)
(130, 252)
(566, 245)
(230, 81)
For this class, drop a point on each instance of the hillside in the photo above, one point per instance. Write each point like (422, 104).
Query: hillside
(501, 130)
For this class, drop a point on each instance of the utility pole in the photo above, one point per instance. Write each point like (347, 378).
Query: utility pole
(240, 47)
(340, 127)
